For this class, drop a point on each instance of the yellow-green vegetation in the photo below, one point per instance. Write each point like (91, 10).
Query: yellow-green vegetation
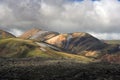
(49, 53)
(14, 47)
(20, 48)
(37, 53)
(112, 41)
(72, 56)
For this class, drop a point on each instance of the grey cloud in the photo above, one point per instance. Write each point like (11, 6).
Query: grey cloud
(62, 15)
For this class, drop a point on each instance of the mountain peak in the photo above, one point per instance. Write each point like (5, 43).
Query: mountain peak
(30, 33)
(4, 34)
(80, 34)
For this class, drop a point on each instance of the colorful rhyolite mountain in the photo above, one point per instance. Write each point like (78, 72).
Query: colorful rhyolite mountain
(77, 45)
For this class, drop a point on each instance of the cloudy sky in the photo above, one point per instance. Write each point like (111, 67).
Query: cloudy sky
(101, 18)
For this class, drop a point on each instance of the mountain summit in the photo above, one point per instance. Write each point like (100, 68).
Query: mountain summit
(28, 34)
(4, 34)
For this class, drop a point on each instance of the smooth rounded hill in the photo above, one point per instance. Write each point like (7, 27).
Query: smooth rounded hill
(4, 34)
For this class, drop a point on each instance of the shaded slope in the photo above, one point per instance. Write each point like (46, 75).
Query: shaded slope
(4, 34)
(112, 58)
(112, 53)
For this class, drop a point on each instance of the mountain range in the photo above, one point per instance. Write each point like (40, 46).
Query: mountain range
(53, 45)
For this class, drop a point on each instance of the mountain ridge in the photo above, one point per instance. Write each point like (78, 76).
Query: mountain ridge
(40, 43)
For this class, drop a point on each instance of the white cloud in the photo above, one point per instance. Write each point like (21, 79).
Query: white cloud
(107, 36)
(16, 32)
(6, 16)
(100, 17)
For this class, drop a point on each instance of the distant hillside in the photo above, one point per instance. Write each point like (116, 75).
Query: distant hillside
(4, 34)
(112, 41)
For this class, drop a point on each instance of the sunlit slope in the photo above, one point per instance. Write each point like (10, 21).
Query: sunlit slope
(14, 47)
(38, 34)
(30, 33)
